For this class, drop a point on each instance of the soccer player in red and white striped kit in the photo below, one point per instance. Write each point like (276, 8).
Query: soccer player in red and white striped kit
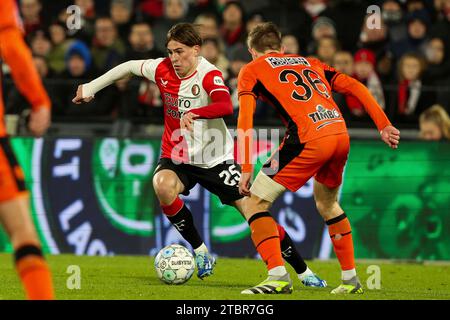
(195, 100)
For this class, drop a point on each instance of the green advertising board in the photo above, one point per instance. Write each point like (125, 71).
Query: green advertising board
(123, 171)
(398, 201)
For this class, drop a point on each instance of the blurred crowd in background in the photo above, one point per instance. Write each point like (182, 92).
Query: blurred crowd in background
(401, 54)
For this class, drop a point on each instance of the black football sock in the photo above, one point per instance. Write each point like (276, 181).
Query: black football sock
(291, 255)
(184, 223)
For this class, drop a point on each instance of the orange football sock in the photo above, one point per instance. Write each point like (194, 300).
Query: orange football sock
(34, 273)
(341, 236)
(266, 239)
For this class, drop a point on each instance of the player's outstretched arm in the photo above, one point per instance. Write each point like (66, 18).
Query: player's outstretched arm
(350, 86)
(18, 57)
(87, 91)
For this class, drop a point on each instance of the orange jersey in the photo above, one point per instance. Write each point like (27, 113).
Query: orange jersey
(9, 15)
(300, 89)
(17, 55)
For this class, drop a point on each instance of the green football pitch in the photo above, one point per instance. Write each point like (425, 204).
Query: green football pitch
(134, 277)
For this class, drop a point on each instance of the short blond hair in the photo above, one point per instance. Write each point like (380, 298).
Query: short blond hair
(438, 116)
(265, 36)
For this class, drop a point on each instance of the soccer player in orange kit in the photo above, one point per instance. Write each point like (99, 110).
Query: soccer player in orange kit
(14, 199)
(316, 144)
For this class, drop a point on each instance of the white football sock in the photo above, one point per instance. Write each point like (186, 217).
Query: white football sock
(308, 272)
(278, 271)
(348, 274)
(202, 248)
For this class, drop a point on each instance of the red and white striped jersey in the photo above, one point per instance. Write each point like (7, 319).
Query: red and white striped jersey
(211, 142)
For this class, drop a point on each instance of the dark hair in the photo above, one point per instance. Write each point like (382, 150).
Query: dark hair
(185, 33)
(239, 5)
(265, 36)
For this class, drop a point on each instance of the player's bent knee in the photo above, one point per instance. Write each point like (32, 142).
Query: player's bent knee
(165, 193)
(328, 209)
(253, 205)
(166, 186)
(322, 206)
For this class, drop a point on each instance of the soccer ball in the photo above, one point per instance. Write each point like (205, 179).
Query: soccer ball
(174, 264)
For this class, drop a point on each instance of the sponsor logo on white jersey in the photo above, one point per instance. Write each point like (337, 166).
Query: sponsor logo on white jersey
(218, 81)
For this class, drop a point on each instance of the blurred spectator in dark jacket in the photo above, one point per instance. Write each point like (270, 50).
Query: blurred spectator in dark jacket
(175, 11)
(437, 59)
(17, 104)
(393, 16)
(233, 26)
(142, 43)
(348, 16)
(142, 90)
(377, 41)
(413, 95)
(60, 44)
(323, 27)
(31, 15)
(437, 72)
(434, 124)
(418, 23)
(441, 27)
(79, 66)
(121, 12)
(239, 57)
(208, 25)
(291, 17)
(40, 43)
(107, 48)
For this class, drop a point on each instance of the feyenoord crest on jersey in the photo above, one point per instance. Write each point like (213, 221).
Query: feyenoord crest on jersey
(195, 90)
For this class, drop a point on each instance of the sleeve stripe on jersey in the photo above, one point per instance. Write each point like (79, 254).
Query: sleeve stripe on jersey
(334, 78)
(219, 89)
(330, 76)
(142, 65)
(247, 92)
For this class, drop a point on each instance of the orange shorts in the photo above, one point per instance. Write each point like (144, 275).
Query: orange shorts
(12, 180)
(293, 164)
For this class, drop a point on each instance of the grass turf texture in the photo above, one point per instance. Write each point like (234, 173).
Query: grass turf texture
(134, 277)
